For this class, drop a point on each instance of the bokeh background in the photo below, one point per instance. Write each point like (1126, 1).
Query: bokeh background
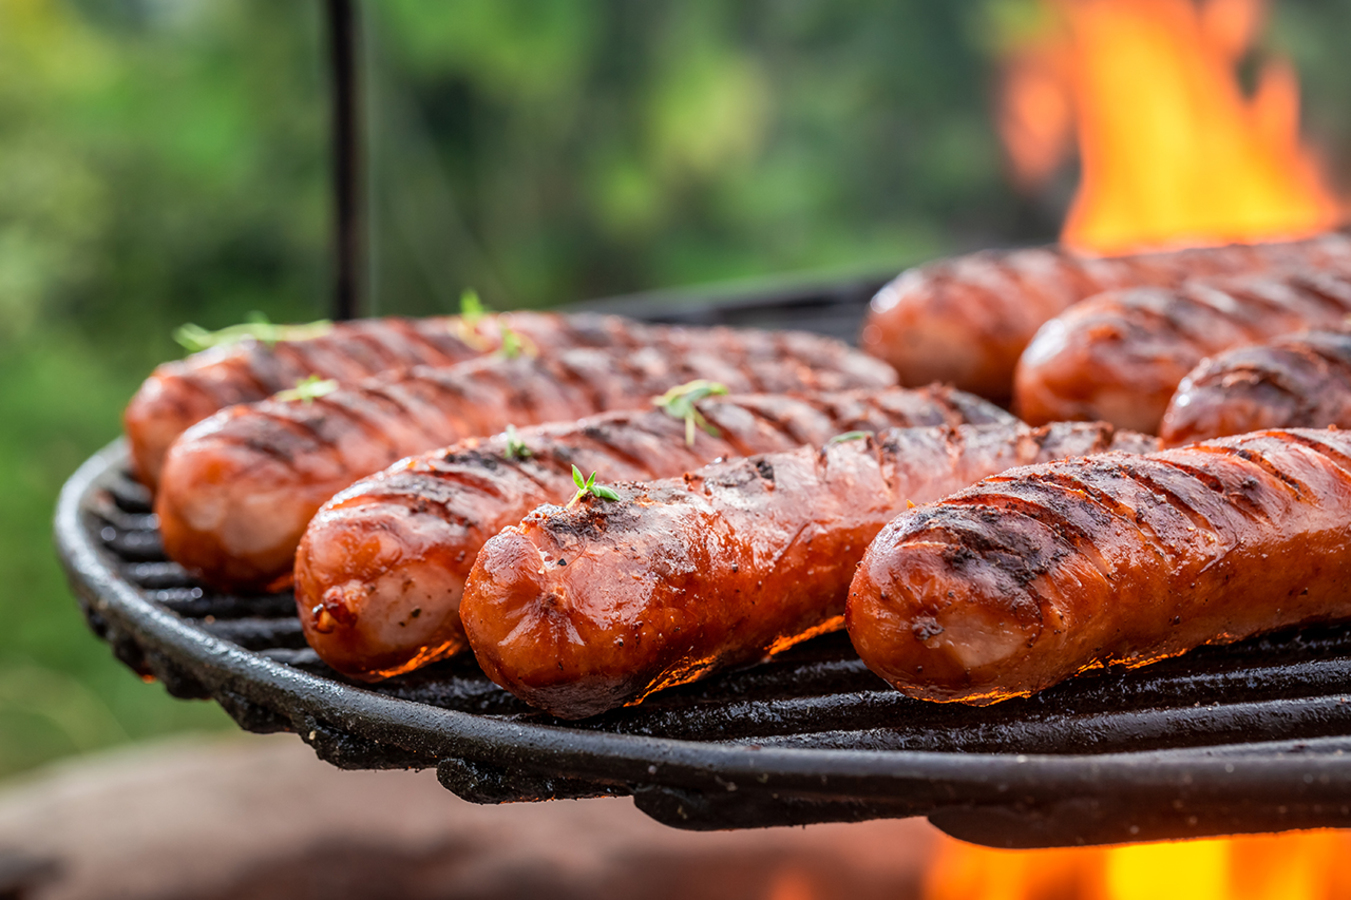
(165, 161)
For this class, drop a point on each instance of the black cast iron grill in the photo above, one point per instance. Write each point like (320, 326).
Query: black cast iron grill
(1251, 737)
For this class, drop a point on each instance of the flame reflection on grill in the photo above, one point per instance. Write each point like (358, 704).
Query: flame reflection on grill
(1173, 150)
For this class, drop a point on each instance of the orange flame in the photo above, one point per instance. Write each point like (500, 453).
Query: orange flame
(1296, 866)
(1172, 151)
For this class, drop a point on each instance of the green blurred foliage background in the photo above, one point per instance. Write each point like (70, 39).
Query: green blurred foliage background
(164, 161)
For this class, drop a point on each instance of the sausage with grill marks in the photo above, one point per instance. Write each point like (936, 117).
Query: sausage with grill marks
(965, 320)
(1029, 577)
(1119, 357)
(381, 568)
(1297, 381)
(579, 611)
(183, 392)
(239, 488)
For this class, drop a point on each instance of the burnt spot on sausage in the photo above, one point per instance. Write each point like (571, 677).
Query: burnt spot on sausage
(476, 459)
(989, 540)
(765, 469)
(567, 525)
(926, 627)
(737, 475)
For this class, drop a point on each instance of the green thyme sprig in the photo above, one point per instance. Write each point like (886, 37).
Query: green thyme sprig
(194, 338)
(309, 388)
(472, 313)
(471, 307)
(588, 486)
(511, 345)
(850, 436)
(516, 448)
(514, 343)
(679, 403)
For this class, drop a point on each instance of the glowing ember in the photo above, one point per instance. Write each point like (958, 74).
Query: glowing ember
(1296, 866)
(1172, 150)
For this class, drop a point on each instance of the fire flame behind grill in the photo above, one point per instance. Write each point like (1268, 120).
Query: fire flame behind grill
(1173, 151)
(1305, 866)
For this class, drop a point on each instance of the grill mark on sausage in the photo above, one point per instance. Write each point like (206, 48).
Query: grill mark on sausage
(276, 437)
(1160, 488)
(442, 505)
(777, 423)
(1143, 520)
(1327, 451)
(359, 412)
(1294, 485)
(1033, 559)
(603, 437)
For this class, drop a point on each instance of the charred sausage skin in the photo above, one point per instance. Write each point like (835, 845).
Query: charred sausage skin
(381, 567)
(1119, 357)
(183, 392)
(579, 611)
(1297, 381)
(966, 320)
(1029, 577)
(239, 488)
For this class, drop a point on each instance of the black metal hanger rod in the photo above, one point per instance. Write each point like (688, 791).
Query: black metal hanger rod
(348, 247)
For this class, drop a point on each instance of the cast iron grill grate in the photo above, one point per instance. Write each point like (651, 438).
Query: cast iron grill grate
(1250, 737)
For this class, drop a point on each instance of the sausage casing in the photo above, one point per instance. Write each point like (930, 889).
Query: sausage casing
(183, 392)
(1120, 356)
(238, 489)
(578, 611)
(1029, 577)
(381, 567)
(966, 320)
(1301, 380)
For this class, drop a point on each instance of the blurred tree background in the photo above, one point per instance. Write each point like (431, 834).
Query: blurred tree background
(164, 161)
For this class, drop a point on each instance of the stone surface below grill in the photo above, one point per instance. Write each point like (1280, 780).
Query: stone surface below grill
(261, 818)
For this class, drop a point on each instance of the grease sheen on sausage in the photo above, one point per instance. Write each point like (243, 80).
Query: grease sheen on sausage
(381, 568)
(1301, 380)
(966, 320)
(1029, 577)
(181, 393)
(579, 611)
(1120, 356)
(239, 488)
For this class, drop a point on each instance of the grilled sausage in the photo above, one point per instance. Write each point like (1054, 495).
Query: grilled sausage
(965, 320)
(1120, 356)
(238, 489)
(181, 393)
(578, 611)
(1029, 577)
(382, 565)
(1297, 381)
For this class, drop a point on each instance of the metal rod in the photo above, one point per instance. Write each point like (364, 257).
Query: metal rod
(346, 137)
